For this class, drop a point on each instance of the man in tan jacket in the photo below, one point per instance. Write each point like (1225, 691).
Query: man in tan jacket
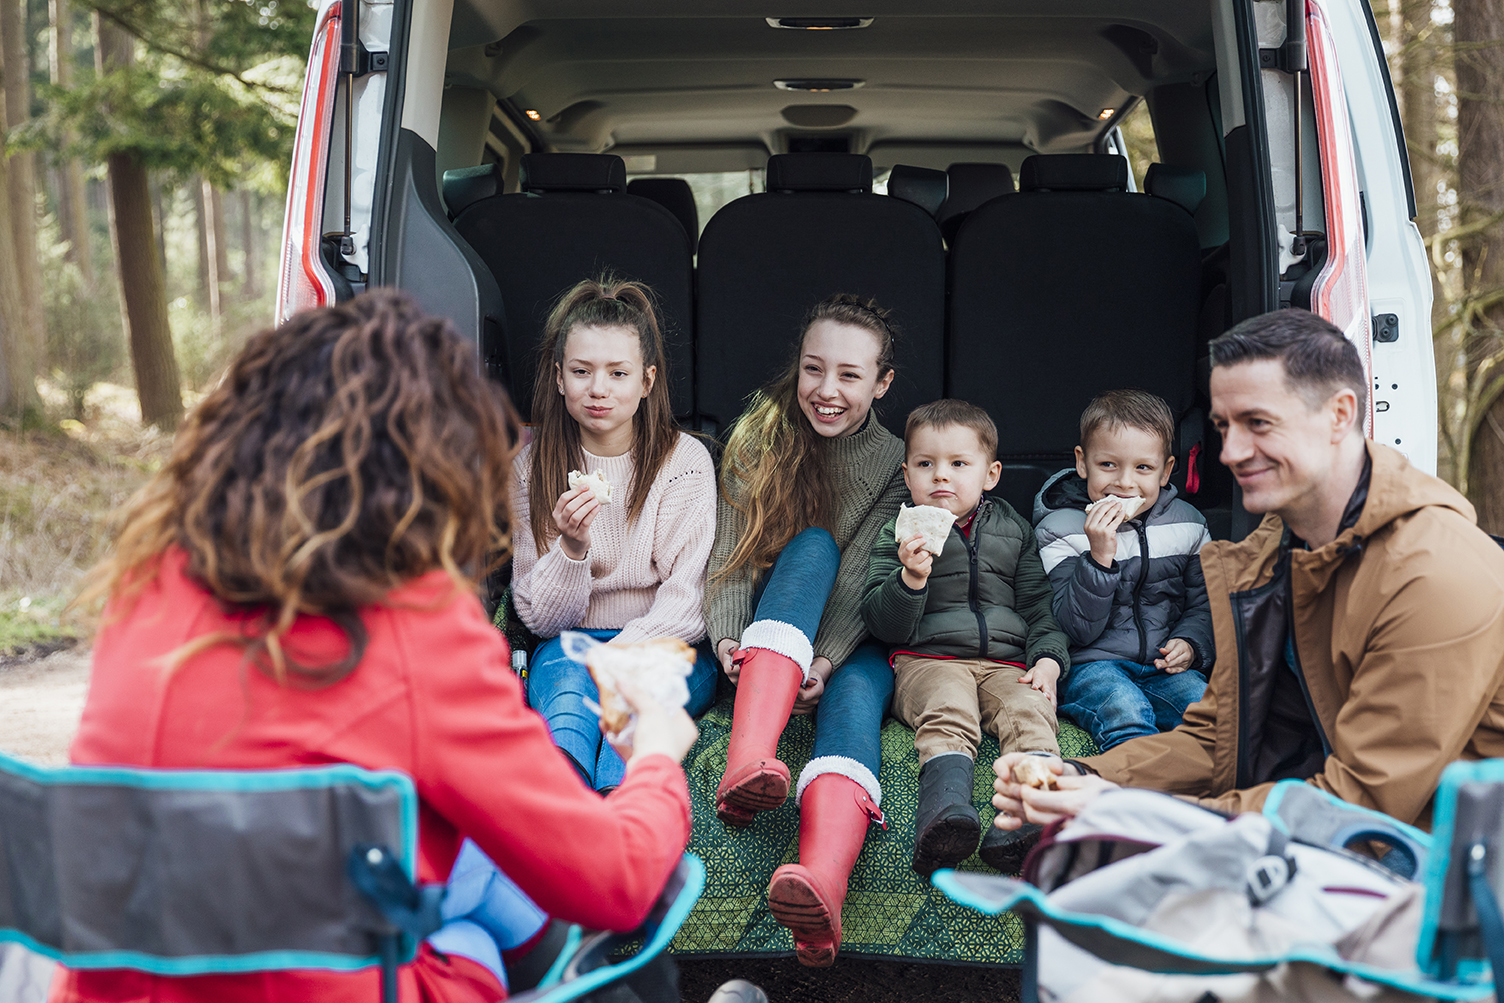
(1359, 629)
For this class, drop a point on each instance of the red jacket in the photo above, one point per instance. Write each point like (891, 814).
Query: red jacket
(434, 697)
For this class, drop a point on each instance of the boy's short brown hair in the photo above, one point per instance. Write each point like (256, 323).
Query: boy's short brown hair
(948, 411)
(1132, 409)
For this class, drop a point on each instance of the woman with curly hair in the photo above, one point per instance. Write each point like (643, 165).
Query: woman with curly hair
(297, 586)
(808, 479)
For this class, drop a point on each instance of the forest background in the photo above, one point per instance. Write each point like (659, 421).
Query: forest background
(142, 181)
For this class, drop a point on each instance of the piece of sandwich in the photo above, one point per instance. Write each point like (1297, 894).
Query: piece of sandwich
(1130, 505)
(928, 521)
(1034, 771)
(658, 667)
(595, 481)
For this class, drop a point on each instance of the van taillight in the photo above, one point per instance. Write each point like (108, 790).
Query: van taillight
(302, 281)
(1340, 292)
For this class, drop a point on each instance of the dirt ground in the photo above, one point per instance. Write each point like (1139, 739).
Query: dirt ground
(40, 702)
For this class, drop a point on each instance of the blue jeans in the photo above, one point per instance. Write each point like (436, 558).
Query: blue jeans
(484, 913)
(849, 716)
(1119, 700)
(557, 687)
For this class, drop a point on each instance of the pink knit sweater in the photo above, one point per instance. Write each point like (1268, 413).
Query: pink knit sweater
(647, 578)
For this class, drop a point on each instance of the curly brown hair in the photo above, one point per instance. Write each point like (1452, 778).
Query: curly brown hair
(344, 453)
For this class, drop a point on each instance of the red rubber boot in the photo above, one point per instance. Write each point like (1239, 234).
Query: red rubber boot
(755, 780)
(806, 897)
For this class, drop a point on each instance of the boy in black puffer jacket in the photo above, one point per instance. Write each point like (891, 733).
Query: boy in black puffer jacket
(975, 644)
(1128, 587)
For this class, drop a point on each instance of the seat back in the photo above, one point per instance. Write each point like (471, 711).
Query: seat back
(1071, 287)
(573, 220)
(188, 872)
(675, 195)
(817, 231)
(971, 185)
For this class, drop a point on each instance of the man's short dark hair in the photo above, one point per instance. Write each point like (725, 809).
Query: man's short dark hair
(948, 411)
(1130, 409)
(1318, 360)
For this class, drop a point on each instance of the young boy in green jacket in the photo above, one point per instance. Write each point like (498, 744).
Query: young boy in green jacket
(975, 643)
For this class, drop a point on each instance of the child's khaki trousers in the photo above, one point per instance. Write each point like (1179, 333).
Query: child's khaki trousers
(948, 701)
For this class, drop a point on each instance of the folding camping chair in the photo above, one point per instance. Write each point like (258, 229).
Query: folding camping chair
(1460, 865)
(191, 872)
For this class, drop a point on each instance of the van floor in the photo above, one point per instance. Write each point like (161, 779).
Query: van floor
(851, 980)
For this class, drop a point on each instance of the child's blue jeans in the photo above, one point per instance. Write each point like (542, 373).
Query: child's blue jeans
(1119, 700)
(557, 687)
(484, 913)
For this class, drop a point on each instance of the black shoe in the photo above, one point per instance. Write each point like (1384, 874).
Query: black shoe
(1004, 850)
(738, 991)
(947, 826)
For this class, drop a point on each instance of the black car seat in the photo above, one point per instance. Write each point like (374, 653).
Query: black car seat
(1071, 287)
(970, 186)
(465, 186)
(818, 230)
(574, 220)
(922, 186)
(675, 195)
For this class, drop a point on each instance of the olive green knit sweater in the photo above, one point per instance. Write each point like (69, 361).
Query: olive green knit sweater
(869, 482)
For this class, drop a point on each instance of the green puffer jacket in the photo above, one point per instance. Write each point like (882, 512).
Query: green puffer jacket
(987, 596)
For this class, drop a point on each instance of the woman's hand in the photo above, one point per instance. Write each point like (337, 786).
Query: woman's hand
(1017, 804)
(820, 671)
(573, 513)
(660, 729)
(725, 651)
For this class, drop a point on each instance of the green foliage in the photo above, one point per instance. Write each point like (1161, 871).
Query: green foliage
(84, 342)
(213, 92)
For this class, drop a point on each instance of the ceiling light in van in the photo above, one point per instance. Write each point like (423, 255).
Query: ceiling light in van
(1106, 113)
(533, 114)
(818, 85)
(818, 23)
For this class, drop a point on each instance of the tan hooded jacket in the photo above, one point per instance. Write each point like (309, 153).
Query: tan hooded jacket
(1399, 634)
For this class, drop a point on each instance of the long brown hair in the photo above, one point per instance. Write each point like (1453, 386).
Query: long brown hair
(774, 471)
(351, 450)
(600, 302)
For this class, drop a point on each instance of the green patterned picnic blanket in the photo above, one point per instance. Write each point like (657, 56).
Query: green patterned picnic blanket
(889, 912)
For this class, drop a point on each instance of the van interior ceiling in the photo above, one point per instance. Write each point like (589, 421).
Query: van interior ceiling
(779, 127)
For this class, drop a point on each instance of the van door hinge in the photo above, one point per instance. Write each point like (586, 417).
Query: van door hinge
(1386, 327)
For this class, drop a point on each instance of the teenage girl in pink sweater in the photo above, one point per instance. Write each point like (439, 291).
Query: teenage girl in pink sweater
(629, 570)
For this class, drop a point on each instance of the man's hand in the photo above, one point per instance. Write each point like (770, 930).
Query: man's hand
(1178, 656)
(725, 651)
(1102, 524)
(1043, 677)
(573, 513)
(820, 671)
(916, 563)
(1017, 804)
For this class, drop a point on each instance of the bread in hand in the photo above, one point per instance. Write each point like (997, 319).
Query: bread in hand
(1034, 771)
(1130, 505)
(595, 481)
(658, 668)
(928, 521)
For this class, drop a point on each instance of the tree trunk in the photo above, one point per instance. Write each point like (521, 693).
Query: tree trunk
(1478, 28)
(201, 233)
(73, 206)
(22, 186)
(13, 384)
(249, 287)
(221, 245)
(212, 249)
(159, 223)
(145, 296)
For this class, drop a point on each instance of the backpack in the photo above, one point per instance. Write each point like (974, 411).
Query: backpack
(1146, 897)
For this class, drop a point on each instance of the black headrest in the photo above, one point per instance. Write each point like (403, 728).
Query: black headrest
(1074, 172)
(820, 172)
(468, 185)
(573, 172)
(675, 195)
(973, 184)
(924, 187)
(1185, 186)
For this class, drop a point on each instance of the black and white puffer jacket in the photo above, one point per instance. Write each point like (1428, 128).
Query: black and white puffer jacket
(1153, 592)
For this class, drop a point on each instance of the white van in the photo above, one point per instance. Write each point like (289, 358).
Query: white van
(962, 161)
